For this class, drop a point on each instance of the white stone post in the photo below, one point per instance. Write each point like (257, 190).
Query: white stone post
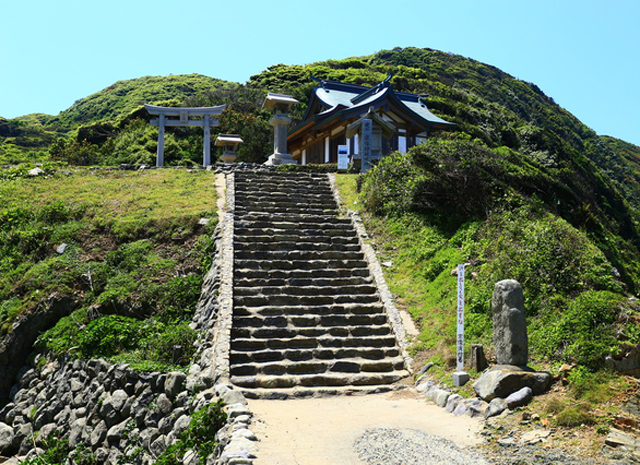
(207, 142)
(160, 152)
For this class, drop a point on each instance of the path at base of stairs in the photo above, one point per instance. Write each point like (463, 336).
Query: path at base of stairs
(322, 431)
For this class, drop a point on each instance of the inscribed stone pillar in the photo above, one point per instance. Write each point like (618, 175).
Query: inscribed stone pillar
(509, 324)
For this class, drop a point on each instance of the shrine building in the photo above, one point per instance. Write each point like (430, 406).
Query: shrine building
(334, 106)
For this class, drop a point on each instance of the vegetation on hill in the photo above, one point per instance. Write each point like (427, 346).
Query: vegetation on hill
(520, 189)
(123, 251)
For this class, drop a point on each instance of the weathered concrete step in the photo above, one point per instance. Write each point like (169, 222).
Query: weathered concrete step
(255, 291)
(280, 198)
(244, 332)
(296, 245)
(305, 241)
(286, 299)
(315, 233)
(325, 379)
(341, 309)
(296, 355)
(309, 281)
(303, 342)
(308, 367)
(241, 264)
(290, 255)
(241, 273)
(290, 181)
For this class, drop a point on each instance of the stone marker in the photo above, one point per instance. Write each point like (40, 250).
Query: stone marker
(509, 324)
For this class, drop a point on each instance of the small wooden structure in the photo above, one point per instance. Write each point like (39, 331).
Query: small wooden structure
(166, 117)
(334, 106)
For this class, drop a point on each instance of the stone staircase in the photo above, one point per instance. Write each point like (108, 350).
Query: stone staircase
(307, 317)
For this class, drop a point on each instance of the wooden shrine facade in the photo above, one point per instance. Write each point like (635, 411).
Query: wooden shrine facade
(333, 106)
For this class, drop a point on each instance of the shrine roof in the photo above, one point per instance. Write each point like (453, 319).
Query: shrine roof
(332, 100)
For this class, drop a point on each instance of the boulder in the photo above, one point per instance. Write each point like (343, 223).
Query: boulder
(6, 437)
(509, 324)
(495, 407)
(501, 381)
(519, 398)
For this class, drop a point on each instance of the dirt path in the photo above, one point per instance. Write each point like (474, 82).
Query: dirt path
(322, 431)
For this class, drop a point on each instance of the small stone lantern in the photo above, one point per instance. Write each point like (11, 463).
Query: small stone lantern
(280, 104)
(230, 143)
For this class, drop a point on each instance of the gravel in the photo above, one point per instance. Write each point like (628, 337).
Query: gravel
(393, 446)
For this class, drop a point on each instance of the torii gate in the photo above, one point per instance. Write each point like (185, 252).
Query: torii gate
(183, 114)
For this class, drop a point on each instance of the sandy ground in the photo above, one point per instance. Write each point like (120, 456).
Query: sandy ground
(321, 431)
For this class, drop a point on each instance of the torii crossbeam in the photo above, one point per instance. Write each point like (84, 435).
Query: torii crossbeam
(166, 117)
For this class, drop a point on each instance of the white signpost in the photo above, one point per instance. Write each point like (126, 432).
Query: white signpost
(343, 157)
(460, 377)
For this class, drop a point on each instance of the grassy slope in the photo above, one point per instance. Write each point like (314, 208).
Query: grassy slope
(135, 253)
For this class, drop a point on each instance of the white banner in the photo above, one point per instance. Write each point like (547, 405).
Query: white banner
(460, 339)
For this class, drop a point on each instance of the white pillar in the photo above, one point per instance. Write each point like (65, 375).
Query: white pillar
(303, 157)
(160, 152)
(207, 141)
(327, 148)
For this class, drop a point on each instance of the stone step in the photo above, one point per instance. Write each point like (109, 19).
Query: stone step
(324, 379)
(295, 245)
(315, 232)
(305, 242)
(307, 198)
(310, 320)
(296, 355)
(298, 219)
(263, 291)
(311, 331)
(241, 264)
(309, 281)
(297, 255)
(301, 392)
(242, 273)
(322, 227)
(286, 299)
(308, 367)
(304, 342)
(272, 208)
(289, 310)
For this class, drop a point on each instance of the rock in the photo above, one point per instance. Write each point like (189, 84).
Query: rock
(158, 446)
(441, 397)
(477, 408)
(426, 368)
(452, 402)
(534, 437)
(164, 404)
(76, 432)
(238, 409)
(424, 387)
(98, 435)
(233, 396)
(509, 324)
(44, 433)
(617, 438)
(117, 431)
(519, 398)
(35, 172)
(181, 425)
(6, 437)
(61, 248)
(461, 409)
(496, 407)
(174, 383)
(501, 381)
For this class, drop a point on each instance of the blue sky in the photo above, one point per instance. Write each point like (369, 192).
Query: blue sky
(585, 54)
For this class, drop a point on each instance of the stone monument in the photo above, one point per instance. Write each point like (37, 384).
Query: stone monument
(280, 104)
(511, 373)
(509, 324)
